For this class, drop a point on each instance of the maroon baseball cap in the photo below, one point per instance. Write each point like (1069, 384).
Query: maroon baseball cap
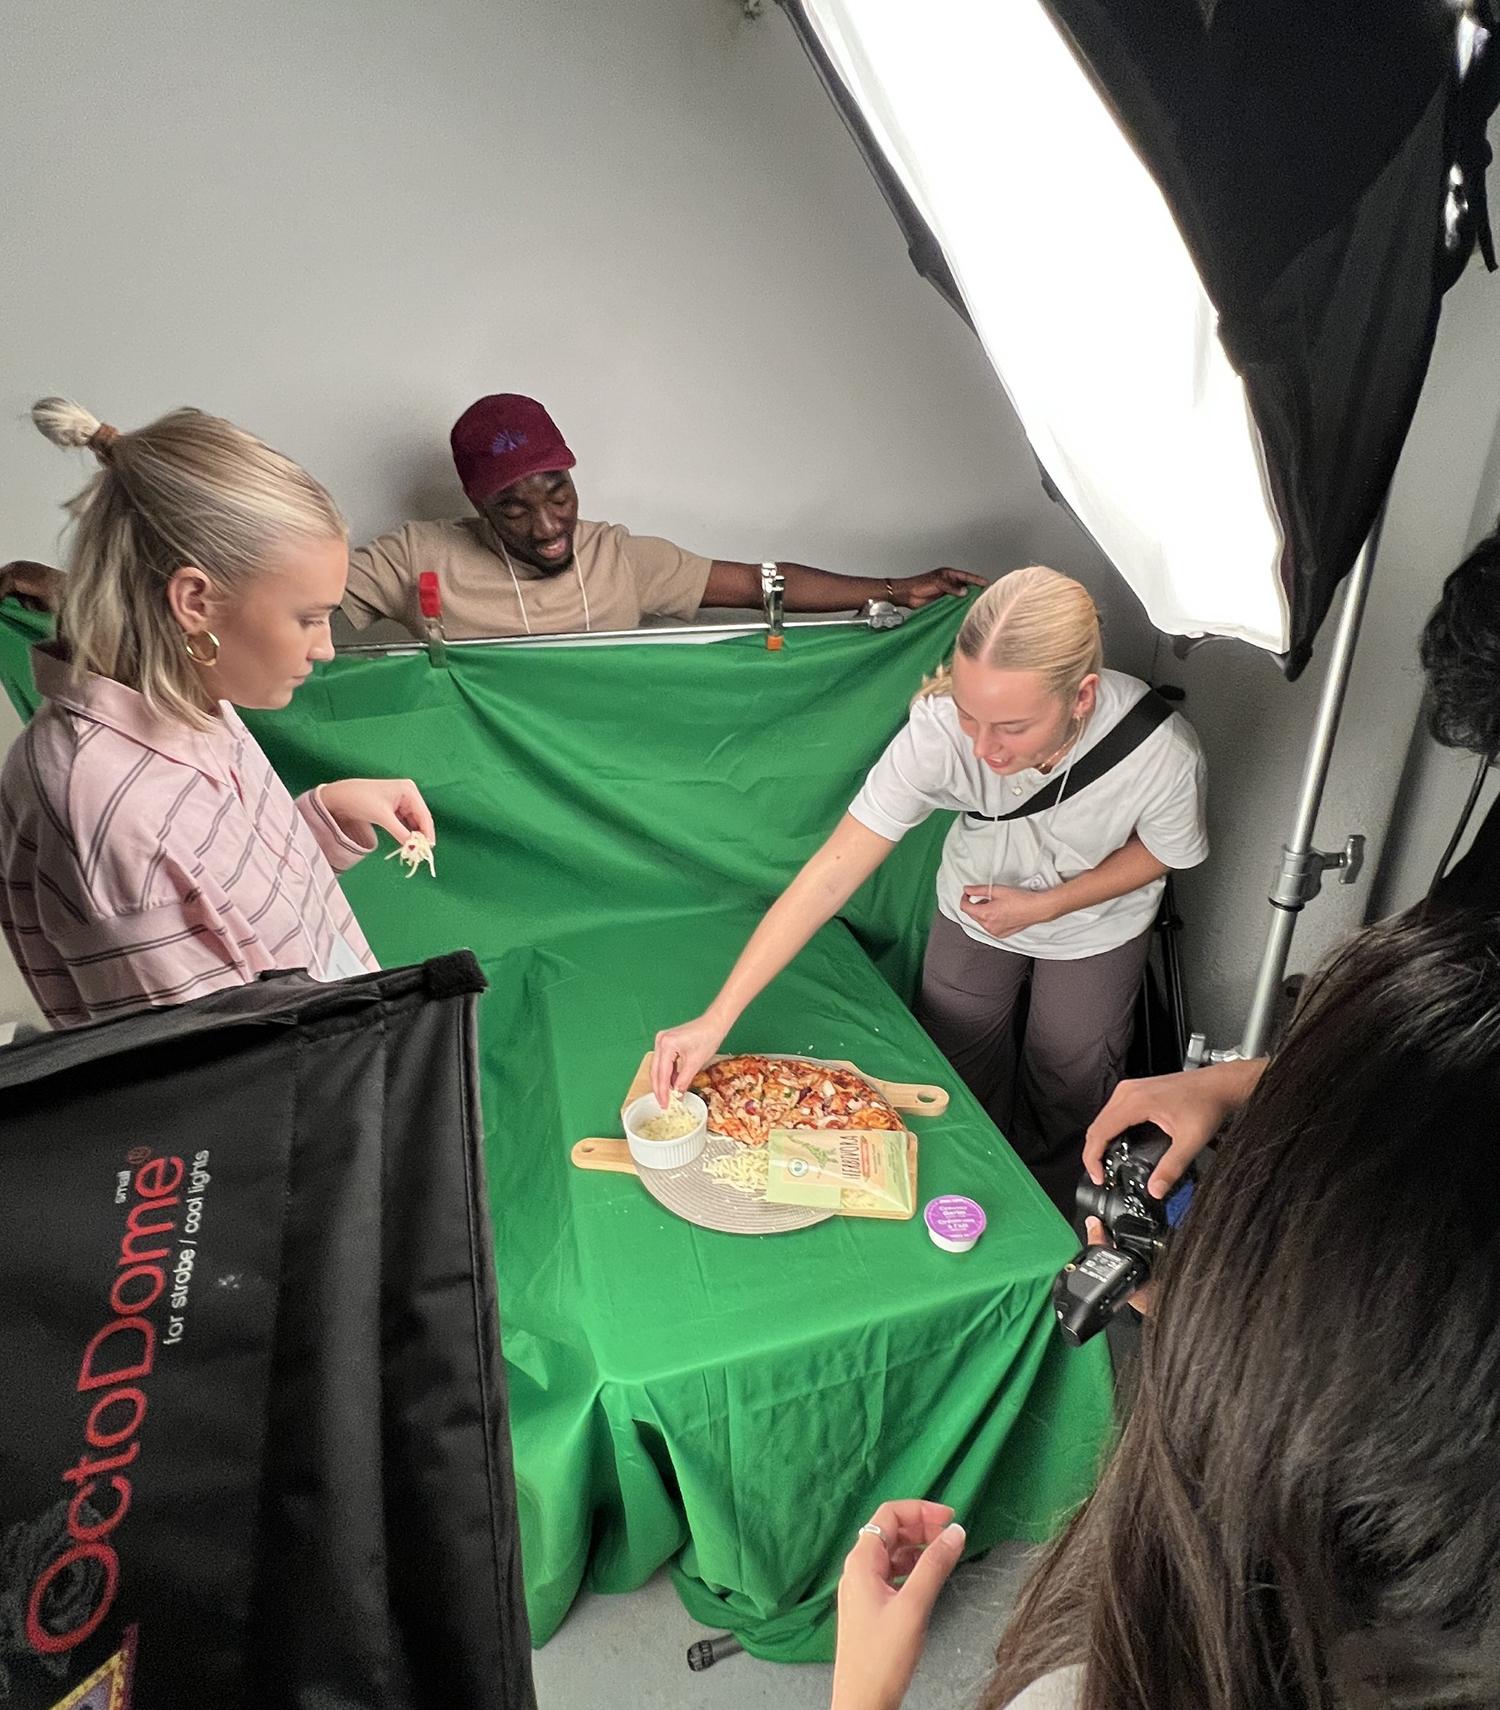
(501, 440)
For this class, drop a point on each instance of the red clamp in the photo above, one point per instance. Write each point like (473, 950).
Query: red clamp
(430, 601)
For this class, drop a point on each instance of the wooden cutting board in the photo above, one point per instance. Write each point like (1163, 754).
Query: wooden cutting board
(694, 1195)
(913, 1098)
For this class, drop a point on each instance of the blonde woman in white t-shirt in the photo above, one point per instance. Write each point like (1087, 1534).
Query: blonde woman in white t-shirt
(1064, 898)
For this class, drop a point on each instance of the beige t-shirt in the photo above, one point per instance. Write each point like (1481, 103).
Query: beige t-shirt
(616, 577)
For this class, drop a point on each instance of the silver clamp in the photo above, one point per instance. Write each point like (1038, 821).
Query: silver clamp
(1300, 876)
(1200, 1053)
(881, 614)
(773, 598)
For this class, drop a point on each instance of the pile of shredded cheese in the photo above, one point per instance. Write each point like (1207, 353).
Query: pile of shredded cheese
(745, 1170)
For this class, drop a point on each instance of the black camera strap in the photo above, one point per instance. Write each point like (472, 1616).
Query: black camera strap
(1148, 713)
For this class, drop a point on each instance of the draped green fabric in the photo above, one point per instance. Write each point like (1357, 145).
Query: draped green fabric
(611, 821)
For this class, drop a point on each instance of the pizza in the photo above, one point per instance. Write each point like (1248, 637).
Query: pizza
(748, 1096)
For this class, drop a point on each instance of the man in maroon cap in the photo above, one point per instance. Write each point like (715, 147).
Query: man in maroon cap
(526, 564)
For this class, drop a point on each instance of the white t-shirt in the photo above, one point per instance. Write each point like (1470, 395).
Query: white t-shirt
(1157, 792)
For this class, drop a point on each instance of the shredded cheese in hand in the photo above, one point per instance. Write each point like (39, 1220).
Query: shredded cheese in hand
(413, 852)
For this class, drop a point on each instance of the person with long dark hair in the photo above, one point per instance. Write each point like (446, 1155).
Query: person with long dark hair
(1461, 657)
(1303, 1511)
(1460, 653)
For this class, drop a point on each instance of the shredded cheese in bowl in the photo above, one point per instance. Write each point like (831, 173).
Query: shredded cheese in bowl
(672, 1124)
(665, 1139)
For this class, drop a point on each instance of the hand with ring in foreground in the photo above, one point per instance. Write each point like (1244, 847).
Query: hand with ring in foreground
(883, 1625)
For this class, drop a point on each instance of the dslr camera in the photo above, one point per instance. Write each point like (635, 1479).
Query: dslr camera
(1096, 1284)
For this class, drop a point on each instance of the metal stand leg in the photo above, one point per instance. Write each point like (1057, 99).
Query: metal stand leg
(704, 1653)
(1302, 866)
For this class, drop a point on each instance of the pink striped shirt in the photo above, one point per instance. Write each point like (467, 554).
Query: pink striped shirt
(143, 862)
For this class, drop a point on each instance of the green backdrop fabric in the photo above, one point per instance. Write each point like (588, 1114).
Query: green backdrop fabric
(611, 822)
(19, 629)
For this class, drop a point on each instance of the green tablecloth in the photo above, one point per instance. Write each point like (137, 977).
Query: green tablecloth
(610, 824)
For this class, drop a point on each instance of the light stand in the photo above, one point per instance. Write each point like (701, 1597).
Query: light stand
(1300, 876)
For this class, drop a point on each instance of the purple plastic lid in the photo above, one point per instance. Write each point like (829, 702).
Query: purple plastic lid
(954, 1217)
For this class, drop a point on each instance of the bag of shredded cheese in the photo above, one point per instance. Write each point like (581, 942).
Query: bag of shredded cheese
(857, 1172)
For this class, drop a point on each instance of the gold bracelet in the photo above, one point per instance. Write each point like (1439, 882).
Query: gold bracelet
(890, 592)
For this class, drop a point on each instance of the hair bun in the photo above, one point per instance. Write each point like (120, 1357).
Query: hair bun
(68, 424)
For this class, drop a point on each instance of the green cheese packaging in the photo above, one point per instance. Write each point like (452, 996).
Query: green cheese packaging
(857, 1172)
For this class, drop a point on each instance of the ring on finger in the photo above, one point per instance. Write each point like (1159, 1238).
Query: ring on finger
(870, 1526)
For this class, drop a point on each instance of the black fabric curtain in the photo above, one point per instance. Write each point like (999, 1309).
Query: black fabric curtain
(255, 1450)
(1305, 148)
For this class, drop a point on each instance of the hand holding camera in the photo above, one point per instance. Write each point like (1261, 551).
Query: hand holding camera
(1190, 1108)
(1128, 1230)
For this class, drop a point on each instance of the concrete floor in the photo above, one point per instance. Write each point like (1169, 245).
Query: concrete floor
(631, 1651)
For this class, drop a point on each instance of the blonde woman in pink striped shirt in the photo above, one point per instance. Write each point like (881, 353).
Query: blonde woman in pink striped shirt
(148, 853)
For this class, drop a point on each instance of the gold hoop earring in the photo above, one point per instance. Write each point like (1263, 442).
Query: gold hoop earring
(187, 644)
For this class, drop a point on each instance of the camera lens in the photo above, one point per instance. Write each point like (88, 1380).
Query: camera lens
(1091, 1199)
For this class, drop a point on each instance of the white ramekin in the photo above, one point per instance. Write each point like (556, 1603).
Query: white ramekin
(664, 1154)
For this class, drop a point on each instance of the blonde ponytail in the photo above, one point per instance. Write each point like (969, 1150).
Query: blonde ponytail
(1034, 619)
(64, 422)
(188, 489)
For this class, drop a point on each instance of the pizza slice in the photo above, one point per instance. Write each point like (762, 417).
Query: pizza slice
(809, 1106)
(722, 1119)
(733, 1089)
(839, 1098)
(749, 1095)
(861, 1105)
(782, 1090)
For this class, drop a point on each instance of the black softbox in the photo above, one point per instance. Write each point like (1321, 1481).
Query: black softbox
(254, 1447)
(1204, 243)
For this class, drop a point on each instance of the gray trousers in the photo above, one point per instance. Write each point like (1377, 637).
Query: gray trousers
(1042, 1096)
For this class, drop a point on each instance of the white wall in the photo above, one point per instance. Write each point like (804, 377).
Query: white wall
(338, 224)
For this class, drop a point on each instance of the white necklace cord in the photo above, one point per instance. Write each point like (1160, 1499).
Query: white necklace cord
(1062, 794)
(587, 620)
(1046, 830)
(515, 582)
